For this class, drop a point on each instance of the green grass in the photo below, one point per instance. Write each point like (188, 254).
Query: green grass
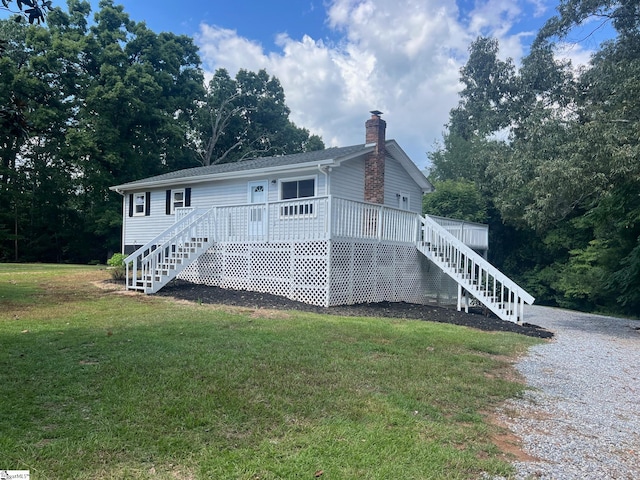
(99, 385)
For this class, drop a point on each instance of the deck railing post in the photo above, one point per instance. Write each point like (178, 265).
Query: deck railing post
(267, 220)
(328, 222)
(380, 220)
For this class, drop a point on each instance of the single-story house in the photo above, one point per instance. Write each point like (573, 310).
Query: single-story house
(330, 227)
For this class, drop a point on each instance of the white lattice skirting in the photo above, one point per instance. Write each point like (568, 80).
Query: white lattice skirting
(325, 273)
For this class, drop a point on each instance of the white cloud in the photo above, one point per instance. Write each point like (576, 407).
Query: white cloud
(221, 47)
(401, 57)
(574, 52)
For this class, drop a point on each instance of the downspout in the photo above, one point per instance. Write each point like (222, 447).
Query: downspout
(325, 171)
(327, 229)
(124, 217)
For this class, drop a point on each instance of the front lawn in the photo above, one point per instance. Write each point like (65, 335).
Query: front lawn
(97, 384)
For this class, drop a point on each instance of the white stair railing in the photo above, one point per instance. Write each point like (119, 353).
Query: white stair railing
(158, 262)
(475, 276)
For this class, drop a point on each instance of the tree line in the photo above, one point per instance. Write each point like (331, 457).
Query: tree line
(90, 102)
(549, 155)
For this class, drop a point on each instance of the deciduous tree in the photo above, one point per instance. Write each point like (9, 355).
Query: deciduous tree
(568, 170)
(247, 117)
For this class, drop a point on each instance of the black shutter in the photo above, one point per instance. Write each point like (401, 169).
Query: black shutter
(131, 204)
(187, 197)
(147, 207)
(168, 203)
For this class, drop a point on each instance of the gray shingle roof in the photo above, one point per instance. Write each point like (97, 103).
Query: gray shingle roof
(334, 153)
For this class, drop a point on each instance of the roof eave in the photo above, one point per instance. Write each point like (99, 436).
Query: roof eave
(366, 149)
(127, 187)
(396, 151)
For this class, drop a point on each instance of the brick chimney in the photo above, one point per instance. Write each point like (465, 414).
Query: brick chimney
(374, 163)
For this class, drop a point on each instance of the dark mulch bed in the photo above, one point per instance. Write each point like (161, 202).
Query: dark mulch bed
(475, 319)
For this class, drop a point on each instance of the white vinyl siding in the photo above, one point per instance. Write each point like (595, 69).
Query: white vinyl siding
(347, 180)
(139, 230)
(234, 192)
(398, 182)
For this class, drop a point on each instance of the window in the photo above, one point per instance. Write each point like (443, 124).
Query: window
(178, 198)
(298, 189)
(139, 204)
(294, 189)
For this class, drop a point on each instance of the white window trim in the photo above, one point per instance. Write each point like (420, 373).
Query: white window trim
(173, 199)
(298, 179)
(136, 196)
(282, 209)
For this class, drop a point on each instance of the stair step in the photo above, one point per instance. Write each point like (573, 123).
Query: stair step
(468, 269)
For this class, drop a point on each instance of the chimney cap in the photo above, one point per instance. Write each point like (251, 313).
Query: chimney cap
(376, 113)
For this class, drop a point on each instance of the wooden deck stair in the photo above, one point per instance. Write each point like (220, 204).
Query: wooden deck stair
(158, 262)
(476, 278)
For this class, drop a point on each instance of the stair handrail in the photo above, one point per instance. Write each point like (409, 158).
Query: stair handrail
(187, 220)
(159, 242)
(479, 260)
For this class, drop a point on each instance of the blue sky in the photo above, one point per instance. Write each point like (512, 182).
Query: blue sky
(339, 59)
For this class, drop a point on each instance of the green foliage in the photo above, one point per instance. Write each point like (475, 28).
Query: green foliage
(456, 199)
(90, 103)
(623, 14)
(486, 96)
(561, 181)
(246, 117)
(624, 283)
(582, 279)
(116, 260)
(117, 266)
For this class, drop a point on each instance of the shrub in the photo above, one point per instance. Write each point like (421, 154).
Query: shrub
(117, 267)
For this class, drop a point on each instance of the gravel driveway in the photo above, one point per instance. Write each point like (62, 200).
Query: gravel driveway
(581, 418)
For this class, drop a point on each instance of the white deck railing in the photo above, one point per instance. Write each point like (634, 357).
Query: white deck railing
(308, 219)
(321, 218)
(472, 272)
(351, 219)
(474, 235)
(447, 242)
(142, 266)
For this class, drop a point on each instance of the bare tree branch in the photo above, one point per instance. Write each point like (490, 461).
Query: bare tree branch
(219, 118)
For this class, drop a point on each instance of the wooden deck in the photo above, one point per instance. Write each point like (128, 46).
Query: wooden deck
(327, 218)
(326, 251)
